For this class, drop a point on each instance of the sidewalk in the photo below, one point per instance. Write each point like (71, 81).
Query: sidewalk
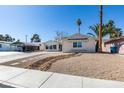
(25, 78)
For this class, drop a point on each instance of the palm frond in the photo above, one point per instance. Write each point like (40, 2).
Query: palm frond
(91, 35)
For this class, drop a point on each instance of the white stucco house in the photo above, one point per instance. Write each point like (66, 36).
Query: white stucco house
(52, 46)
(7, 46)
(73, 43)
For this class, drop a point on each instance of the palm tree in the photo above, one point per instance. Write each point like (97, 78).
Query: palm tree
(114, 32)
(100, 29)
(78, 24)
(96, 30)
(107, 29)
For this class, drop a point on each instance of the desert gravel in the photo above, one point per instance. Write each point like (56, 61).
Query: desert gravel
(103, 66)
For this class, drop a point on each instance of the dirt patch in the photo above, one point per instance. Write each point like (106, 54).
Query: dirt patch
(39, 62)
(46, 63)
(102, 66)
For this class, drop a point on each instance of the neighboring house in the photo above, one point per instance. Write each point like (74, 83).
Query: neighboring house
(19, 46)
(7, 46)
(52, 46)
(115, 45)
(73, 43)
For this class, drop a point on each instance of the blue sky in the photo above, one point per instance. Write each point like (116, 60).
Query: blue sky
(19, 21)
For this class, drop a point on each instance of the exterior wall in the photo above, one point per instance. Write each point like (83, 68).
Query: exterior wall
(87, 46)
(121, 48)
(7, 47)
(4, 47)
(106, 48)
(41, 47)
(14, 48)
(39, 44)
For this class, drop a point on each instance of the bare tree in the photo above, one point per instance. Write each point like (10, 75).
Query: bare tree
(60, 35)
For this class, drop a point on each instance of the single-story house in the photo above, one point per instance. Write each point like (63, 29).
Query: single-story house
(73, 43)
(52, 46)
(78, 43)
(7, 46)
(115, 45)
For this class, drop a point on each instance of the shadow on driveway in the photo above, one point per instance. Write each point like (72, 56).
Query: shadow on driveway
(5, 86)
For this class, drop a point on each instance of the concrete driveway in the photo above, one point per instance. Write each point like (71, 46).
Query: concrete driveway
(9, 56)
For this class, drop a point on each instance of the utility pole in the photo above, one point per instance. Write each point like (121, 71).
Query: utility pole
(100, 29)
(26, 38)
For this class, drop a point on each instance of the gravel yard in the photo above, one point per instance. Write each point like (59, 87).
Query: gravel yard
(103, 66)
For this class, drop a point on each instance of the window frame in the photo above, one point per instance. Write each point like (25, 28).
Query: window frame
(54, 47)
(50, 47)
(74, 44)
(77, 44)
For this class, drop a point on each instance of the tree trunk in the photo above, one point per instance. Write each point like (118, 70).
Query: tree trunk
(79, 29)
(100, 30)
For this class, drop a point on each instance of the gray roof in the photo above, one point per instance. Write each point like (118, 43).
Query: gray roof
(77, 37)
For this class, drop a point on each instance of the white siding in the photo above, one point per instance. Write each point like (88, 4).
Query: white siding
(7, 47)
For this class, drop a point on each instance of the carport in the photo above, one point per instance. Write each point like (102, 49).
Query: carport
(30, 47)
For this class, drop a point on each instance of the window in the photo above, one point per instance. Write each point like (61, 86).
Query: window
(54, 46)
(77, 44)
(0, 45)
(51, 47)
(74, 44)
